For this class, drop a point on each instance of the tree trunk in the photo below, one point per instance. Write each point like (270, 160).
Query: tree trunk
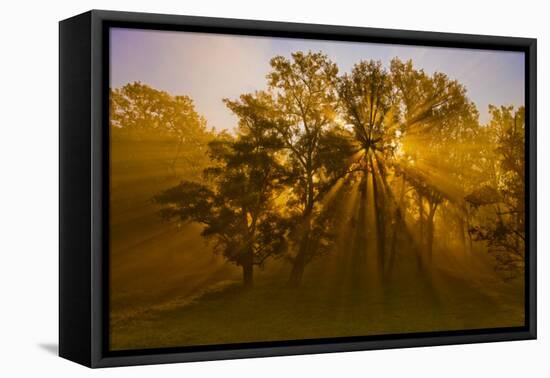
(299, 262)
(379, 219)
(422, 238)
(430, 232)
(248, 269)
(359, 250)
(398, 225)
(462, 231)
(248, 275)
(468, 234)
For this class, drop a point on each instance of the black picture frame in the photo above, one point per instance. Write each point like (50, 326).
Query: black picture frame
(84, 187)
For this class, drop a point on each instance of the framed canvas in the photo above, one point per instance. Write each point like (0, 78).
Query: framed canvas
(235, 188)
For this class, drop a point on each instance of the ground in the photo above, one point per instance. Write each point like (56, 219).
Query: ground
(270, 311)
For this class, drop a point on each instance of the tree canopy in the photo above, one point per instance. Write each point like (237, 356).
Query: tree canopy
(407, 144)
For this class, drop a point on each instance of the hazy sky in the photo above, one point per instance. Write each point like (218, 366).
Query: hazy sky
(210, 67)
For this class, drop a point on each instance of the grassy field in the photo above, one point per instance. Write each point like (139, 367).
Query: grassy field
(226, 313)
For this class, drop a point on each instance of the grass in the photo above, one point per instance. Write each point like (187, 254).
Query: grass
(271, 311)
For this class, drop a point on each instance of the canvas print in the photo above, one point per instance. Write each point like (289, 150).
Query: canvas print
(275, 189)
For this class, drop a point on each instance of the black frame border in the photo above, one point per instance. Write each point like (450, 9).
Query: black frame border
(101, 21)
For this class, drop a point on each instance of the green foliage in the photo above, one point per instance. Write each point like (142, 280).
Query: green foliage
(368, 101)
(486, 195)
(236, 204)
(304, 103)
(136, 107)
(297, 116)
(501, 207)
(141, 113)
(413, 138)
(432, 103)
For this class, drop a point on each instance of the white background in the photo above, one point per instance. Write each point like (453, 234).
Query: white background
(29, 187)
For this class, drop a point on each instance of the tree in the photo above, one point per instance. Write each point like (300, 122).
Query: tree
(501, 200)
(438, 118)
(139, 112)
(305, 99)
(237, 204)
(368, 103)
(429, 198)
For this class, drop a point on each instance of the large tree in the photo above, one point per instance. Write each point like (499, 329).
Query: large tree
(305, 101)
(237, 203)
(437, 120)
(369, 105)
(408, 125)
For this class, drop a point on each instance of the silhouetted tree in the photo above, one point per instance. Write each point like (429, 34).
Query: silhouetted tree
(502, 200)
(237, 205)
(305, 99)
(369, 106)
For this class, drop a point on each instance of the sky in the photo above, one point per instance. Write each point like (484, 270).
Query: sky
(210, 67)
